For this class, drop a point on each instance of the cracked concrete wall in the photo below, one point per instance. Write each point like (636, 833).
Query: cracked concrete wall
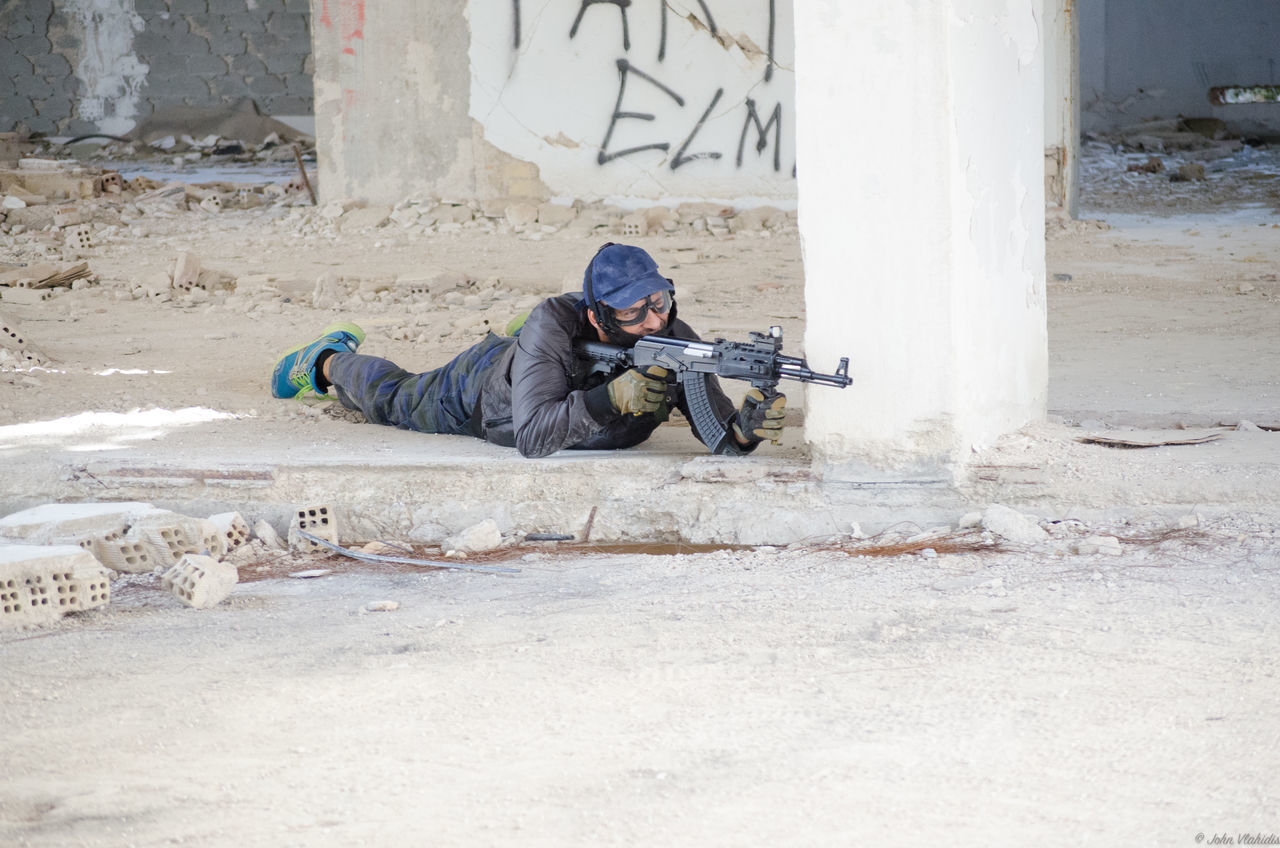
(1148, 59)
(76, 67)
(628, 103)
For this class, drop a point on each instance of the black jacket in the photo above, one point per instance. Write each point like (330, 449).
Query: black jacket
(538, 396)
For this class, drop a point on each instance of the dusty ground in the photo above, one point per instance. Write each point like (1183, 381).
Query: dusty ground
(799, 696)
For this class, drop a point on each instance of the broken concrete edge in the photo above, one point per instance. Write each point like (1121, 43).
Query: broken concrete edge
(42, 579)
(793, 513)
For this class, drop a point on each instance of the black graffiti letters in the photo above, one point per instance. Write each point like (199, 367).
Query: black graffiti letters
(762, 133)
(625, 68)
(680, 158)
(622, 9)
(689, 80)
(623, 5)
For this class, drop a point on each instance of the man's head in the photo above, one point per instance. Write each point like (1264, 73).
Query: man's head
(626, 297)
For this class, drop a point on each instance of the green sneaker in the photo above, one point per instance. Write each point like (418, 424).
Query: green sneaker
(295, 372)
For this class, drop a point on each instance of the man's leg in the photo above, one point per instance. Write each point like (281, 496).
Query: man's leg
(439, 401)
(296, 372)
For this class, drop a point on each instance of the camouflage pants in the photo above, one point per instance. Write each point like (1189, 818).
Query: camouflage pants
(439, 401)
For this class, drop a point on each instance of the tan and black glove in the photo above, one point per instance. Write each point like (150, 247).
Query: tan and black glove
(636, 392)
(760, 417)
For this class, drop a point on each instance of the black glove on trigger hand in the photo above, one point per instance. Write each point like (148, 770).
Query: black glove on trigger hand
(760, 417)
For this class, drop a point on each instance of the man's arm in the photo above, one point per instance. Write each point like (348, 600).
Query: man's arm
(548, 413)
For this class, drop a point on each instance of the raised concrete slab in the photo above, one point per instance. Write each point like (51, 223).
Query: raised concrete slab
(382, 483)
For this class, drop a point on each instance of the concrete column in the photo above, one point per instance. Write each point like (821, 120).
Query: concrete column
(391, 83)
(1061, 107)
(921, 180)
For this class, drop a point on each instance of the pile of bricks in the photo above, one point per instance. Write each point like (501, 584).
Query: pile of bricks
(59, 558)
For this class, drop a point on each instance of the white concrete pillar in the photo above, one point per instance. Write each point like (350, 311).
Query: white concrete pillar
(920, 164)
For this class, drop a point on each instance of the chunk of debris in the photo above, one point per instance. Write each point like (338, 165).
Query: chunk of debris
(46, 275)
(233, 529)
(315, 520)
(16, 349)
(1012, 525)
(478, 537)
(268, 535)
(42, 583)
(200, 581)
(1189, 172)
(1148, 439)
(1154, 165)
(1108, 545)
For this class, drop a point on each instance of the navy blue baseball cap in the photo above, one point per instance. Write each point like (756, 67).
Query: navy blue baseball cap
(620, 274)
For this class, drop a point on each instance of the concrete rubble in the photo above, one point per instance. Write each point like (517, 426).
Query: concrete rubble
(41, 583)
(200, 581)
(58, 213)
(59, 558)
(318, 521)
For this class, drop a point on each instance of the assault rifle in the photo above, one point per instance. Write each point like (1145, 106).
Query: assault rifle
(760, 362)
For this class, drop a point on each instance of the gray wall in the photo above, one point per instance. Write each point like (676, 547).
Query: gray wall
(73, 67)
(1148, 59)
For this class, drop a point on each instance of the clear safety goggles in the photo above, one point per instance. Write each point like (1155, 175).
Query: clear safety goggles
(632, 315)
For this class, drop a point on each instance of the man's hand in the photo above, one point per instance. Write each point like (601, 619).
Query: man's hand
(760, 417)
(636, 392)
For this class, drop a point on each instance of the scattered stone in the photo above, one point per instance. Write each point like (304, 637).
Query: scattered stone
(383, 549)
(233, 529)
(380, 606)
(1154, 165)
(41, 583)
(310, 573)
(1108, 545)
(760, 217)
(268, 535)
(406, 216)
(448, 213)
(635, 224)
(67, 216)
(1190, 172)
(200, 581)
(687, 212)
(1012, 525)
(79, 237)
(186, 271)
(316, 520)
(368, 218)
(478, 537)
(556, 215)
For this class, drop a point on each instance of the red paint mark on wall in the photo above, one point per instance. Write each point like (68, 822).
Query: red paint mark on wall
(350, 22)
